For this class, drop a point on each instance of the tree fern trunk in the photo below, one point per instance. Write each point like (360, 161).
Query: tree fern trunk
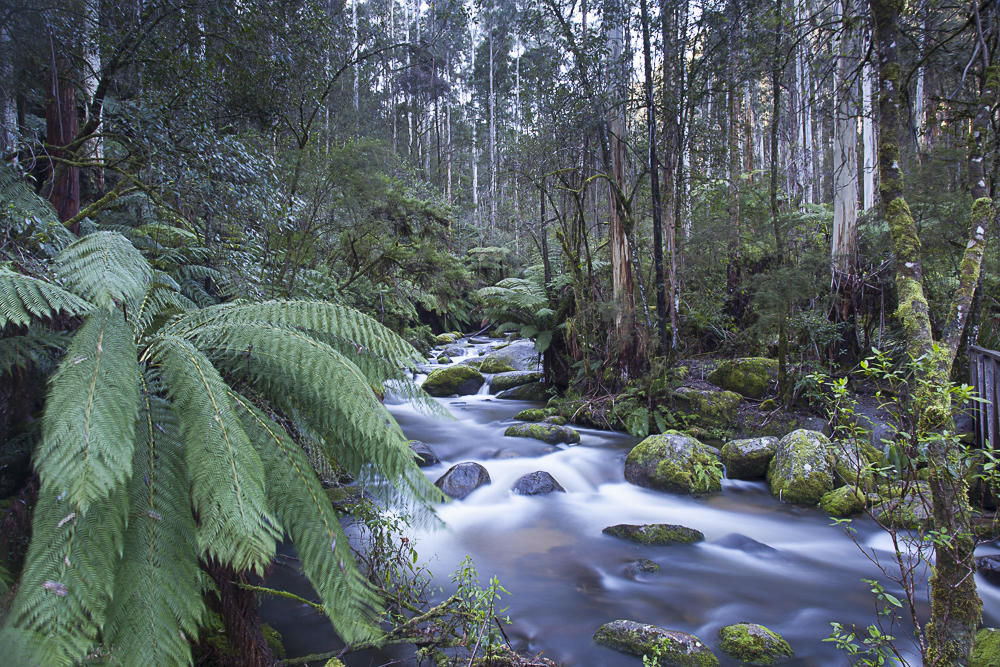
(241, 619)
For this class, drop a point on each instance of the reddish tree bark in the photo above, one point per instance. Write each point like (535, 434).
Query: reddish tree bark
(62, 126)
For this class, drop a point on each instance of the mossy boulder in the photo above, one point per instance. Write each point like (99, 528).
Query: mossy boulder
(533, 414)
(460, 379)
(462, 479)
(753, 644)
(748, 459)
(475, 363)
(802, 469)
(986, 650)
(852, 463)
(534, 391)
(674, 463)
(910, 510)
(445, 339)
(492, 364)
(676, 649)
(555, 419)
(551, 434)
(845, 501)
(576, 412)
(755, 422)
(655, 534)
(511, 379)
(751, 377)
(444, 359)
(706, 408)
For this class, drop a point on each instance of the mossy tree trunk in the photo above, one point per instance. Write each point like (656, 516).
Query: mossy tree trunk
(955, 605)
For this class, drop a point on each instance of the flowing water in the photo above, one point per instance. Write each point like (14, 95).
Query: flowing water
(779, 565)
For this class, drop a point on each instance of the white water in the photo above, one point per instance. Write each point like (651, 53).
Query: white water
(566, 578)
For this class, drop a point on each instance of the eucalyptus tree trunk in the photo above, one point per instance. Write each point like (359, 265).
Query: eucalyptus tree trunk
(672, 77)
(654, 182)
(8, 104)
(61, 128)
(868, 131)
(955, 606)
(493, 141)
(845, 151)
(94, 147)
(622, 282)
(779, 232)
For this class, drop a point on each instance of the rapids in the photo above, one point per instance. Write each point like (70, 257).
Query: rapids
(795, 574)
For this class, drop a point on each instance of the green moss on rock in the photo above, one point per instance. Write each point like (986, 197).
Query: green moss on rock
(707, 409)
(986, 650)
(753, 644)
(845, 501)
(509, 380)
(548, 433)
(532, 415)
(444, 339)
(655, 534)
(802, 470)
(748, 459)
(460, 379)
(912, 510)
(750, 377)
(444, 359)
(674, 648)
(533, 391)
(492, 364)
(674, 463)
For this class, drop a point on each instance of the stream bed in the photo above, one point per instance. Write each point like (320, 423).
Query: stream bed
(782, 566)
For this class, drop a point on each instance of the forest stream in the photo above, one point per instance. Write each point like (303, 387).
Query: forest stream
(779, 565)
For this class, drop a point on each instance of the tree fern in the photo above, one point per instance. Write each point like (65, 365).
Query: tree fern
(299, 502)
(157, 603)
(89, 426)
(39, 347)
(24, 299)
(105, 269)
(226, 473)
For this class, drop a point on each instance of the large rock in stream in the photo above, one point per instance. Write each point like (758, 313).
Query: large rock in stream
(463, 479)
(505, 381)
(706, 408)
(674, 463)
(551, 434)
(533, 391)
(423, 454)
(802, 470)
(753, 644)
(461, 379)
(655, 534)
(520, 355)
(676, 649)
(748, 459)
(537, 483)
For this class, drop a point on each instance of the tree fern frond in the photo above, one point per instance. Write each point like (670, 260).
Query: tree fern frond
(24, 210)
(39, 347)
(306, 514)
(321, 316)
(105, 268)
(23, 299)
(157, 603)
(68, 579)
(168, 235)
(226, 472)
(89, 425)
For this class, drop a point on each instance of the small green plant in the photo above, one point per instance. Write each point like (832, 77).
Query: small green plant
(871, 646)
(707, 474)
(654, 659)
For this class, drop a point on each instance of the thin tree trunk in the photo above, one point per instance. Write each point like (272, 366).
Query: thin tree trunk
(868, 131)
(845, 153)
(493, 141)
(654, 176)
(62, 126)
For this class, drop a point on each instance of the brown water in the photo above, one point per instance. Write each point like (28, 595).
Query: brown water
(795, 574)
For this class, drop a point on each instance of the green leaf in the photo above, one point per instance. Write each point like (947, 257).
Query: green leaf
(89, 423)
(104, 268)
(543, 341)
(23, 299)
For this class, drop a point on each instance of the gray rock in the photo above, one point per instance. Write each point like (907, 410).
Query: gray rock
(461, 379)
(454, 351)
(677, 649)
(989, 568)
(520, 355)
(674, 463)
(748, 459)
(535, 391)
(640, 566)
(536, 484)
(745, 544)
(425, 456)
(504, 381)
(655, 534)
(802, 469)
(463, 479)
(548, 433)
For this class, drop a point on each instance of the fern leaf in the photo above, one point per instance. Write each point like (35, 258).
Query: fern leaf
(321, 316)
(38, 347)
(157, 601)
(104, 268)
(306, 514)
(227, 476)
(23, 299)
(89, 425)
(68, 579)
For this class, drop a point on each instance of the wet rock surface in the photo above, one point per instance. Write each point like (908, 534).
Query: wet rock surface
(425, 456)
(537, 484)
(674, 463)
(753, 644)
(676, 649)
(802, 470)
(748, 459)
(461, 379)
(552, 434)
(655, 534)
(463, 479)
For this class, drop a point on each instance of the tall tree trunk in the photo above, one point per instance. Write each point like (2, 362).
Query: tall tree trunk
(845, 151)
(61, 128)
(955, 605)
(868, 130)
(779, 232)
(623, 285)
(493, 140)
(654, 182)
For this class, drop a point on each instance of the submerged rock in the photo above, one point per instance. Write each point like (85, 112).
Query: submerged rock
(509, 380)
(444, 359)
(555, 419)
(640, 566)
(910, 510)
(655, 534)
(707, 409)
(674, 463)
(751, 377)
(520, 355)
(801, 471)
(463, 479)
(424, 455)
(748, 459)
(548, 433)
(676, 649)
(745, 544)
(461, 379)
(989, 568)
(537, 484)
(534, 391)
(753, 644)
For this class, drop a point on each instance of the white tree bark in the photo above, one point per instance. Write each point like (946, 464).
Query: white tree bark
(8, 112)
(493, 142)
(870, 166)
(845, 153)
(93, 148)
